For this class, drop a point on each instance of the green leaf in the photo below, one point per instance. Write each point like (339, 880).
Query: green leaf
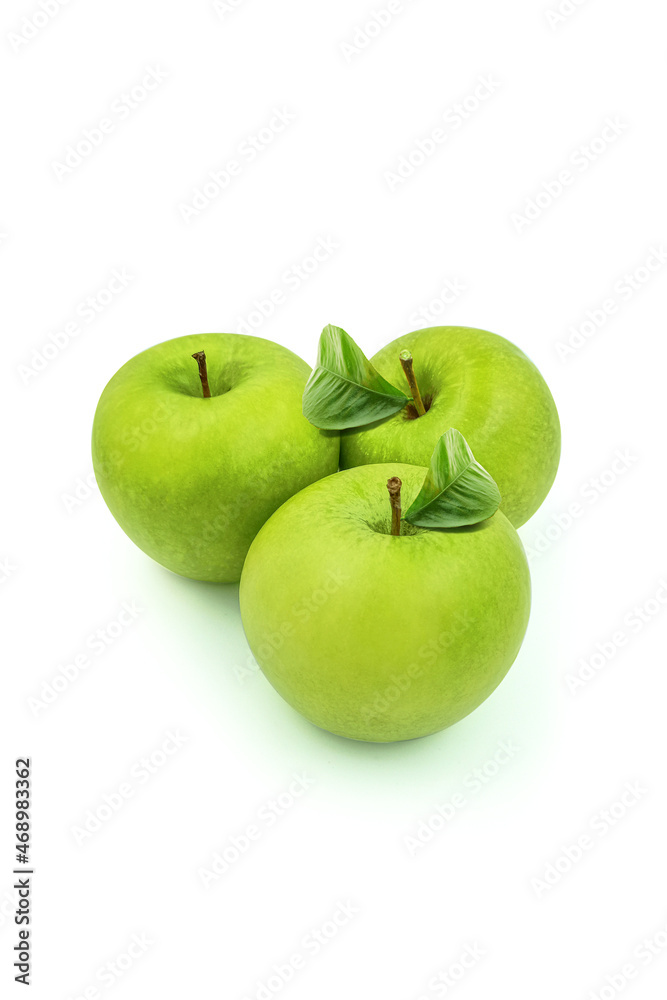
(457, 490)
(344, 390)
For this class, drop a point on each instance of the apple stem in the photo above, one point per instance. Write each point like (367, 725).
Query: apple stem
(200, 358)
(394, 486)
(406, 364)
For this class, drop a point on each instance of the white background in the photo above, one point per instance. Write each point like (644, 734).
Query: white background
(358, 105)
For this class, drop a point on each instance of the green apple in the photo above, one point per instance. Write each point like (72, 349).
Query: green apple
(192, 478)
(377, 636)
(486, 387)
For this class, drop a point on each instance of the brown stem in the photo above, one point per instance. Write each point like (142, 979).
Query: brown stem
(200, 358)
(394, 486)
(406, 364)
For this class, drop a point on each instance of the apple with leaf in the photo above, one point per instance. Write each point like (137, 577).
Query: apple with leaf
(387, 601)
(396, 406)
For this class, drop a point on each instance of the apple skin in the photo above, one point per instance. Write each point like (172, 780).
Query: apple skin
(486, 388)
(376, 637)
(192, 480)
